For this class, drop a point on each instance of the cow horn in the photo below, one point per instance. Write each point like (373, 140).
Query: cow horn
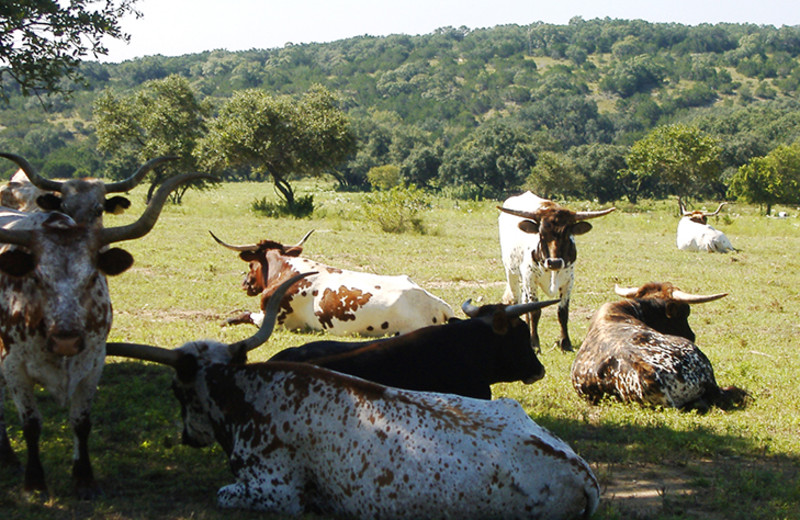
(253, 247)
(17, 237)
(684, 213)
(680, 296)
(303, 240)
(470, 309)
(533, 215)
(516, 310)
(114, 187)
(270, 316)
(585, 215)
(129, 183)
(159, 355)
(148, 219)
(716, 212)
(626, 292)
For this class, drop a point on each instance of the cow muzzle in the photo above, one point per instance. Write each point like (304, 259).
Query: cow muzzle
(535, 377)
(65, 344)
(554, 264)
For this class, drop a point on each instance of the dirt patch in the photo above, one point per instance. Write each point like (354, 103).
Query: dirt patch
(175, 315)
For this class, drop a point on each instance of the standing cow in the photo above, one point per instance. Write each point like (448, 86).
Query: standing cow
(336, 300)
(463, 357)
(642, 350)
(538, 248)
(301, 439)
(696, 234)
(55, 314)
(82, 199)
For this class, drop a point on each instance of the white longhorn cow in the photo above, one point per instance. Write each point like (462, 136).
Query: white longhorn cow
(696, 234)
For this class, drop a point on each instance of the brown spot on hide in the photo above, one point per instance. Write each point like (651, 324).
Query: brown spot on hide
(340, 304)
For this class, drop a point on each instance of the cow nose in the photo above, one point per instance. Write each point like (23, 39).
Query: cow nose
(66, 344)
(554, 264)
(535, 377)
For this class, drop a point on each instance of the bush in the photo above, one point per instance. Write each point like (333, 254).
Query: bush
(384, 177)
(398, 209)
(303, 207)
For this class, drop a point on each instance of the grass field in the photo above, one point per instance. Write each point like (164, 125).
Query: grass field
(657, 464)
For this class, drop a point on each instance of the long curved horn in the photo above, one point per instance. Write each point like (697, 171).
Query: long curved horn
(716, 212)
(160, 355)
(303, 240)
(683, 208)
(270, 316)
(33, 176)
(129, 183)
(148, 219)
(17, 237)
(470, 309)
(680, 296)
(533, 215)
(514, 311)
(253, 247)
(585, 215)
(626, 292)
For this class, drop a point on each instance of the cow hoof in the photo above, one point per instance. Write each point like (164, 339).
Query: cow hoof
(565, 346)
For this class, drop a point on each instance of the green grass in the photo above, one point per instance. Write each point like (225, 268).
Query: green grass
(651, 463)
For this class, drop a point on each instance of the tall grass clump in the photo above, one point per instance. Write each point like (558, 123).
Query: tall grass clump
(303, 207)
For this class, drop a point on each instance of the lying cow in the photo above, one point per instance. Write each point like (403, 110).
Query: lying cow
(642, 350)
(538, 248)
(696, 234)
(338, 301)
(463, 357)
(302, 439)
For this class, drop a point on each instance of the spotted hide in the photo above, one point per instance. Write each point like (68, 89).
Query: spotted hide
(302, 439)
(538, 248)
(696, 234)
(642, 350)
(338, 301)
(55, 314)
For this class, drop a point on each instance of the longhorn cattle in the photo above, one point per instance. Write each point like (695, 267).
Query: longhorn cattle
(336, 300)
(55, 314)
(538, 248)
(696, 234)
(642, 350)
(302, 439)
(463, 357)
(82, 199)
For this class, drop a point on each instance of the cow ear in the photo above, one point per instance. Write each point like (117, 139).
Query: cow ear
(293, 251)
(114, 261)
(17, 263)
(249, 256)
(529, 226)
(500, 323)
(49, 202)
(580, 228)
(116, 205)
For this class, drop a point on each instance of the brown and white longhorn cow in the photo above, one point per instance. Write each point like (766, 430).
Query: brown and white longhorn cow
(336, 300)
(696, 234)
(55, 314)
(642, 350)
(538, 248)
(82, 199)
(301, 439)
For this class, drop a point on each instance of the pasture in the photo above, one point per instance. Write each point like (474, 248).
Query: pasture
(652, 464)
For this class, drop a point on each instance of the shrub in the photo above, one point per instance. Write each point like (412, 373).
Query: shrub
(398, 209)
(303, 207)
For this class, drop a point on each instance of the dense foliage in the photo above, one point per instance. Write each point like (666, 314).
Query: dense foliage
(557, 108)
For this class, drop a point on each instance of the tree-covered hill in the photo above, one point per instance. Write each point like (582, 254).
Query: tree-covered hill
(563, 101)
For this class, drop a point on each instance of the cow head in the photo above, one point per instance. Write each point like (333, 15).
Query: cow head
(664, 307)
(555, 226)
(192, 358)
(58, 266)
(83, 199)
(515, 358)
(697, 216)
(256, 255)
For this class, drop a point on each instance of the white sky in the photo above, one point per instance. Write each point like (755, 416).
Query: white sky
(176, 27)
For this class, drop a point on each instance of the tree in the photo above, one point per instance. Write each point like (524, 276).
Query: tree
(43, 41)
(554, 175)
(163, 117)
(495, 158)
(772, 179)
(278, 136)
(678, 159)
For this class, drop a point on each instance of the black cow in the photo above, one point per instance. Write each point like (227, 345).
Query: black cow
(462, 357)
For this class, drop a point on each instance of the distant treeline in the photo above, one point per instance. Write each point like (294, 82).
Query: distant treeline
(556, 108)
